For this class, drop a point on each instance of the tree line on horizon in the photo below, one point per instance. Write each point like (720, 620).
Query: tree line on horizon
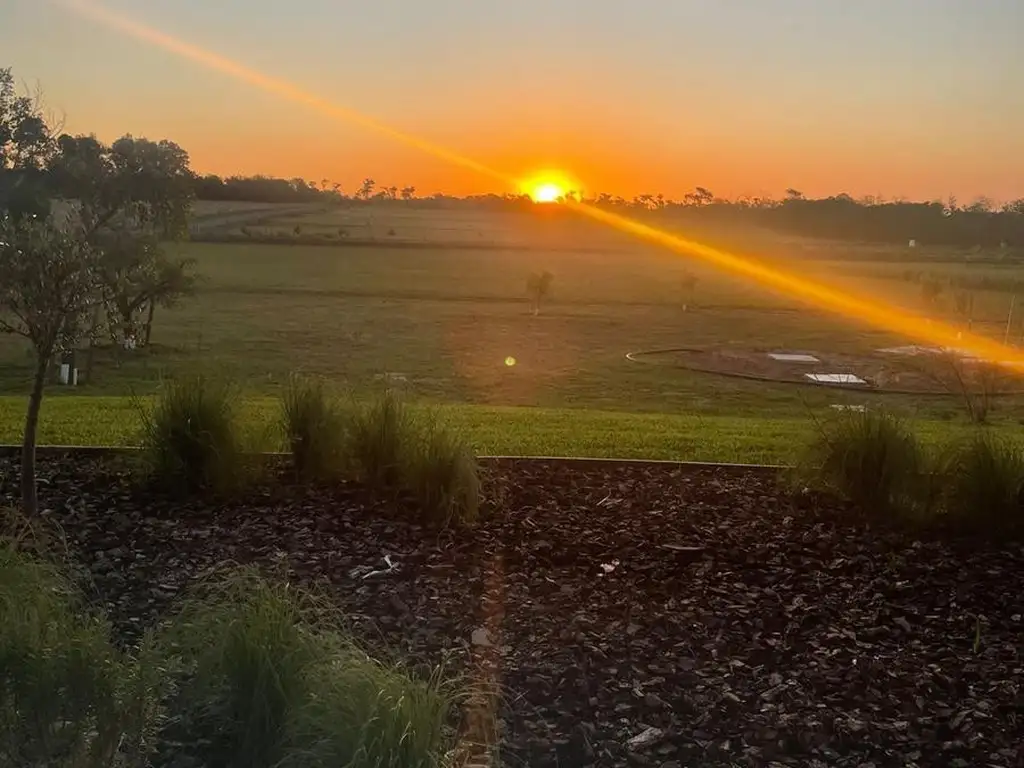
(838, 217)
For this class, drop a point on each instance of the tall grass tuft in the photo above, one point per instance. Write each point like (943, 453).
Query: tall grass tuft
(379, 438)
(871, 458)
(366, 714)
(242, 654)
(442, 475)
(983, 482)
(267, 678)
(191, 437)
(67, 697)
(315, 430)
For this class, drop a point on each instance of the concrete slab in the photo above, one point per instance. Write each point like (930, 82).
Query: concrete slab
(835, 378)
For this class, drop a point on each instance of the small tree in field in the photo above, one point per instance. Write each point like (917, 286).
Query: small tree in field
(931, 290)
(538, 288)
(48, 285)
(688, 284)
(964, 301)
(136, 277)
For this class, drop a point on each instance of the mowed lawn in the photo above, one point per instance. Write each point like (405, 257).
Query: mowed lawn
(454, 327)
(492, 431)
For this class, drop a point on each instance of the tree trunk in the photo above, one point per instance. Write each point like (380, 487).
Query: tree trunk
(149, 322)
(90, 358)
(29, 502)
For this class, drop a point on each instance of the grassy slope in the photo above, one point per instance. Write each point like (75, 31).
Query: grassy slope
(492, 430)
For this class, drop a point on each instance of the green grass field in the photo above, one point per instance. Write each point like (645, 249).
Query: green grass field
(454, 327)
(492, 430)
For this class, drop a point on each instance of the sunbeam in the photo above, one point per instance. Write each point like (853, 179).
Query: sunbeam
(831, 299)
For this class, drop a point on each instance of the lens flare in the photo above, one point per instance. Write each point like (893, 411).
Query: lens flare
(837, 301)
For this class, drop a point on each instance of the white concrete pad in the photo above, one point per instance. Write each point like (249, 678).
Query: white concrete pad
(835, 378)
(786, 357)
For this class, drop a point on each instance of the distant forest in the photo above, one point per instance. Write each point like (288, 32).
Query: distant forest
(841, 217)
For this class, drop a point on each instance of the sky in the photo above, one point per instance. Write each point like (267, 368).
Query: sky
(919, 99)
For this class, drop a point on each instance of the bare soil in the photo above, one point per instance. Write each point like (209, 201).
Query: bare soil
(931, 374)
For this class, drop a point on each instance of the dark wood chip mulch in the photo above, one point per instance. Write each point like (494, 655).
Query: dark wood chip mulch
(636, 615)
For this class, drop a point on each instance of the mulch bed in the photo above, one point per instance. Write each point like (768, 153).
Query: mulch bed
(637, 615)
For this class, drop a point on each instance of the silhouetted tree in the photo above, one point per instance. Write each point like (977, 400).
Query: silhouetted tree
(26, 143)
(366, 189)
(408, 193)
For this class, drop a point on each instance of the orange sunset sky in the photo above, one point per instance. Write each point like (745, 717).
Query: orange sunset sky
(914, 98)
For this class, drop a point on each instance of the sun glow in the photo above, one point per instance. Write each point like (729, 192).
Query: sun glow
(549, 187)
(547, 193)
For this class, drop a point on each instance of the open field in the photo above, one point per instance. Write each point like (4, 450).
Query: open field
(455, 327)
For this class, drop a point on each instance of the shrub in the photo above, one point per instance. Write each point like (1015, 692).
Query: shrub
(314, 429)
(982, 482)
(870, 458)
(379, 437)
(392, 450)
(442, 476)
(191, 436)
(366, 714)
(259, 685)
(67, 697)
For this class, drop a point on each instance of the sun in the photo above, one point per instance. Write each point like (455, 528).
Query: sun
(549, 187)
(548, 192)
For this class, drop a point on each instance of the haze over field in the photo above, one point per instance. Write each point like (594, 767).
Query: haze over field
(891, 98)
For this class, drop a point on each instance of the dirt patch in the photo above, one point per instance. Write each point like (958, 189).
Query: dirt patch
(892, 372)
(641, 615)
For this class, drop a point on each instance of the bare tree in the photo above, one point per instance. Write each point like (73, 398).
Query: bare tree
(538, 287)
(48, 285)
(978, 383)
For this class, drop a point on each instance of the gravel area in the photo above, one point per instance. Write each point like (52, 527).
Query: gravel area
(632, 614)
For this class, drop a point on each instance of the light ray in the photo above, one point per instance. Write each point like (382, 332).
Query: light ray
(837, 301)
(274, 85)
(878, 314)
